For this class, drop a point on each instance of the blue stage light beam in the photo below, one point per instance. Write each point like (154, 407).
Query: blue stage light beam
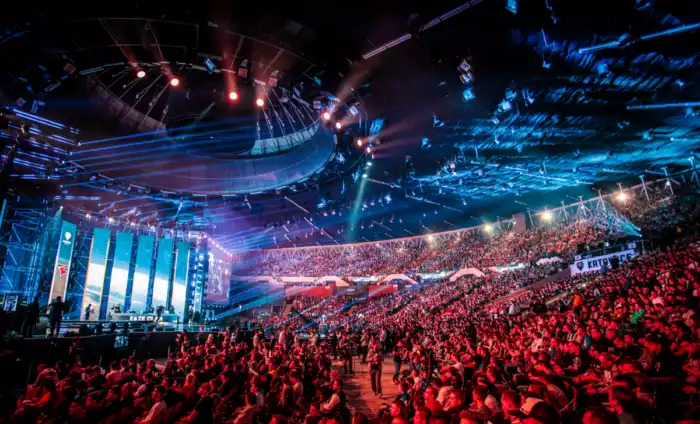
(619, 43)
(152, 133)
(161, 147)
(663, 106)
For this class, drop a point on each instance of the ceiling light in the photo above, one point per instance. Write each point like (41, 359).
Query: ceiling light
(174, 81)
(141, 74)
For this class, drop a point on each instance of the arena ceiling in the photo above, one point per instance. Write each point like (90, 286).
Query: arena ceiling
(569, 97)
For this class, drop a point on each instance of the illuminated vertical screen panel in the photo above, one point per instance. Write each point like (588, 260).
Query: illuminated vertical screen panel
(164, 264)
(119, 280)
(219, 279)
(61, 269)
(182, 267)
(142, 274)
(96, 270)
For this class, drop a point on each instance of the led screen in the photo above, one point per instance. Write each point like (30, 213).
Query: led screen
(164, 265)
(61, 270)
(219, 280)
(182, 266)
(119, 280)
(95, 276)
(142, 274)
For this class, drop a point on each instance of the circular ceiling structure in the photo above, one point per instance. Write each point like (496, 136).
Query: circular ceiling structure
(470, 113)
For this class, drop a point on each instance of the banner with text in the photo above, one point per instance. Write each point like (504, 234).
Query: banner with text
(596, 263)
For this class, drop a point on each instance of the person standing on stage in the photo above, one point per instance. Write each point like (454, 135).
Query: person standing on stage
(32, 318)
(88, 311)
(375, 358)
(55, 316)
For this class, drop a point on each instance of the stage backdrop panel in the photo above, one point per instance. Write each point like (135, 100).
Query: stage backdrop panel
(96, 270)
(119, 280)
(182, 266)
(164, 265)
(142, 274)
(61, 270)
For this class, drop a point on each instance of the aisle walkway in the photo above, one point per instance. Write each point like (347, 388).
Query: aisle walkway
(359, 388)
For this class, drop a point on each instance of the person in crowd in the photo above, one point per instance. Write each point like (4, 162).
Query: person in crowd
(375, 359)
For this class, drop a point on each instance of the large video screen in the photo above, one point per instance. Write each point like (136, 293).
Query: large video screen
(219, 280)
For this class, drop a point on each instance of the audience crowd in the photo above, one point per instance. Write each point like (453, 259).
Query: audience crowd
(621, 346)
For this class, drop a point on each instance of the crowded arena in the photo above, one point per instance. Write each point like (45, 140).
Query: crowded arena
(355, 213)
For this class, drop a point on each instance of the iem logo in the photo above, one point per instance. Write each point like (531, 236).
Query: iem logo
(66, 238)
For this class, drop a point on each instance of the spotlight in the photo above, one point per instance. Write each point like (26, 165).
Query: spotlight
(546, 216)
(338, 125)
(368, 149)
(110, 219)
(364, 175)
(87, 215)
(326, 116)
(260, 102)
(431, 238)
(359, 142)
(233, 95)
(141, 74)
(505, 106)
(622, 196)
(369, 163)
(174, 81)
(466, 78)
(468, 94)
(488, 228)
